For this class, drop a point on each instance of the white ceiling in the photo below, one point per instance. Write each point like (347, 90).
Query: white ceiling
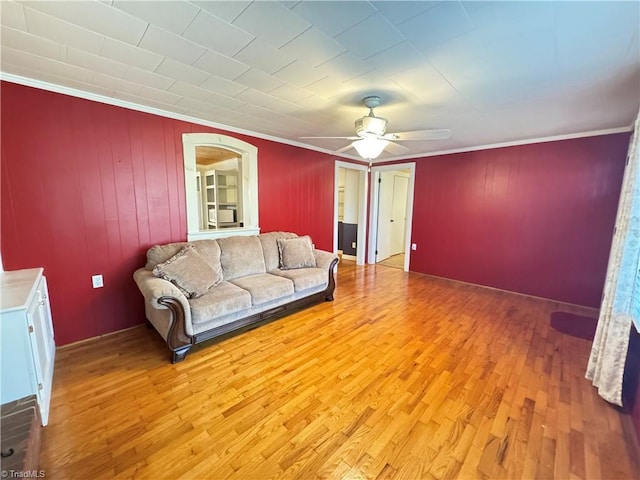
(492, 72)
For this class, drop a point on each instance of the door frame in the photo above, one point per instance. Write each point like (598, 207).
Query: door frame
(373, 212)
(362, 207)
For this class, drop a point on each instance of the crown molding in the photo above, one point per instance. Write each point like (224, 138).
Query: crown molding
(30, 82)
(52, 87)
(515, 143)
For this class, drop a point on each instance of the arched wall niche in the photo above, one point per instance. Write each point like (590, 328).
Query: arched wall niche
(248, 157)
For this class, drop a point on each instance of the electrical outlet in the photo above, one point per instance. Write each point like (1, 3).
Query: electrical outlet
(353, 244)
(96, 281)
(414, 246)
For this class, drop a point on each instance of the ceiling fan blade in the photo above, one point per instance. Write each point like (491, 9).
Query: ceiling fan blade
(396, 149)
(342, 138)
(434, 134)
(344, 149)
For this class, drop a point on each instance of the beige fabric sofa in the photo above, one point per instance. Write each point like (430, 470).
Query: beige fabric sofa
(195, 291)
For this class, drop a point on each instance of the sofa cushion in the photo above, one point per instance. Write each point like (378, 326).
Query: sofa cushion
(161, 253)
(296, 253)
(209, 250)
(265, 287)
(304, 278)
(220, 300)
(188, 271)
(241, 256)
(270, 248)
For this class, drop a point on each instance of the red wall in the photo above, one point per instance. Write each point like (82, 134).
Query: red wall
(536, 219)
(87, 188)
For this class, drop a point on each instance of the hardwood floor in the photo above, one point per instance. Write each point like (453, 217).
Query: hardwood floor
(403, 376)
(395, 261)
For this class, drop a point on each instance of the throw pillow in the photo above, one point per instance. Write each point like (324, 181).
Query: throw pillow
(188, 271)
(296, 253)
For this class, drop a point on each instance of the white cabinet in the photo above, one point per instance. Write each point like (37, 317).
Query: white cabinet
(221, 198)
(27, 350)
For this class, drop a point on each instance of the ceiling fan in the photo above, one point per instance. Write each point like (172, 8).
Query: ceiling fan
(371, 139)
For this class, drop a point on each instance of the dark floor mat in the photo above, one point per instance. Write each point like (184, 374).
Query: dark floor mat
(574, 325)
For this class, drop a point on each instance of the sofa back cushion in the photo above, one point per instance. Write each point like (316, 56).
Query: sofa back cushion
(161, 253)
(241, 256)
(269, 243)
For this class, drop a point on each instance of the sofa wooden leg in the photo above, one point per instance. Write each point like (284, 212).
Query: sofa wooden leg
(329, 298)
(180, 353)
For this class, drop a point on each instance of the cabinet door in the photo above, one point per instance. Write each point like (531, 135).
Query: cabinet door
(42, 346)
(17, 378)
(46, 325)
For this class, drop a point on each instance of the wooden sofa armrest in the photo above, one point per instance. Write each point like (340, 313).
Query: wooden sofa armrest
(162, 294)
(327, 261)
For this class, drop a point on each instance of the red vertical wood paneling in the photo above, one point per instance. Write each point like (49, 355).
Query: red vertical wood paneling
(155, 178)
(534, 219)
(91, 216)
(58, 173)
(87, 188)
(296, 193)
(175, 177)
(140, 211)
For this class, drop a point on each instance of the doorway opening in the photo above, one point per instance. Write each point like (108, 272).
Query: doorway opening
(350, 211)
(391, 215)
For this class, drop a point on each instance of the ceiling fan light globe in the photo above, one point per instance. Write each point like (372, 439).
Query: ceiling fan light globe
(370, 148)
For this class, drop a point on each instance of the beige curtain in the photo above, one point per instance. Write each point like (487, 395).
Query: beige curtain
(611, 342)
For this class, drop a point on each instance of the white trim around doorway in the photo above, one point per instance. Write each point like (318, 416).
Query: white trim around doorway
(362, 208)
(373, 210)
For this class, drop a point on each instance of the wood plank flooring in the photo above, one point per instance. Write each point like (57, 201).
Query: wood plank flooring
(403, 376)
(396, 261)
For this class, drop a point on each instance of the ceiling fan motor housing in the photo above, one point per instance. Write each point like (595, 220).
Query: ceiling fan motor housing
(370, 126)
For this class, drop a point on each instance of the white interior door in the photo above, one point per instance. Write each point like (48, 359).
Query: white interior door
(398, 214)
(385, 201)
